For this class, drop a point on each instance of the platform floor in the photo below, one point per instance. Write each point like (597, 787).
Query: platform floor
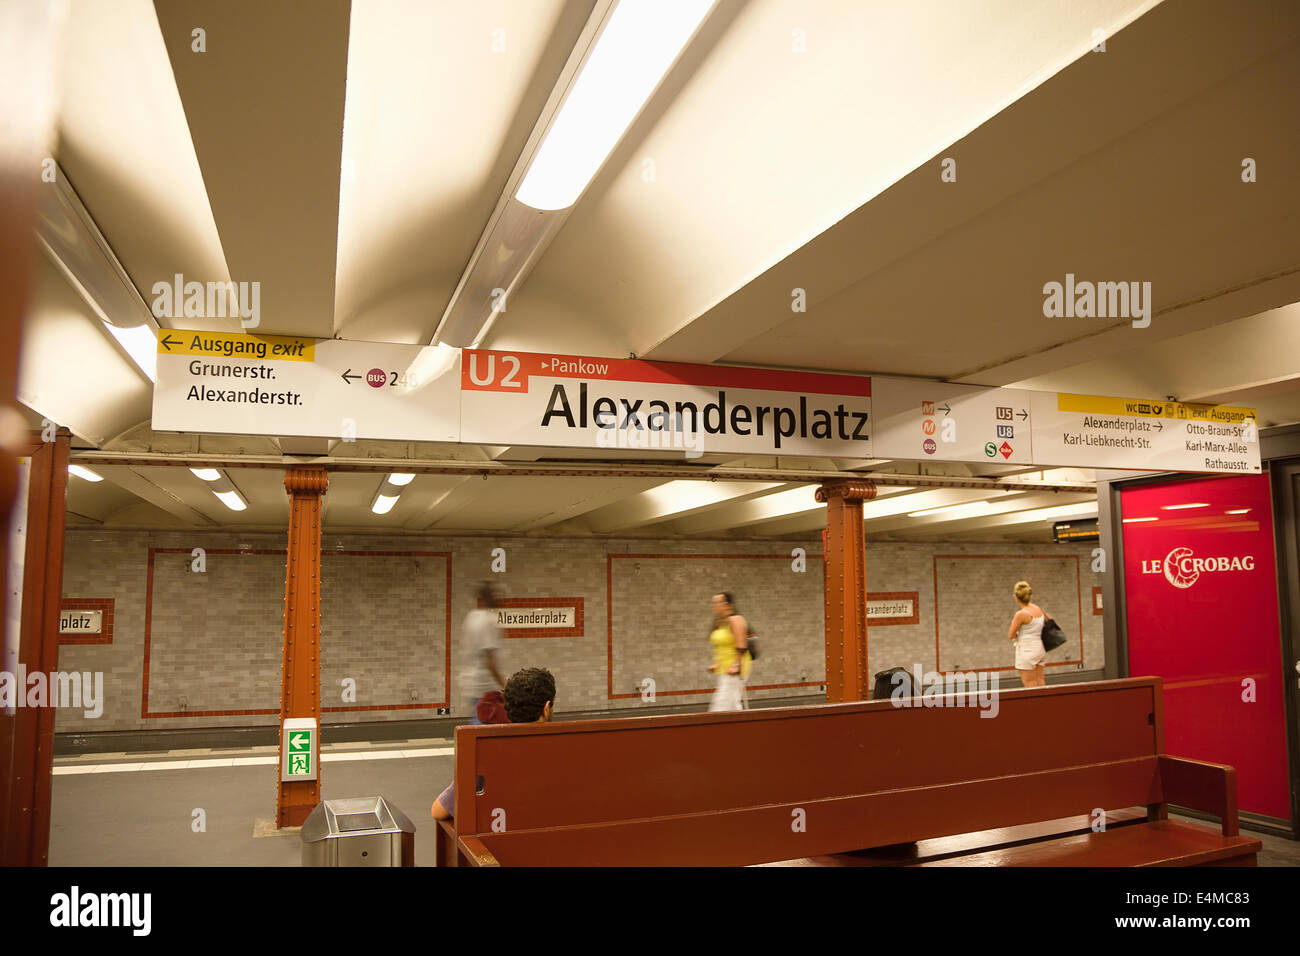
(133, 809)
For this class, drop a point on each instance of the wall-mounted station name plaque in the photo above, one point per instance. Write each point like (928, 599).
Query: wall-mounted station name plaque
(541, 617)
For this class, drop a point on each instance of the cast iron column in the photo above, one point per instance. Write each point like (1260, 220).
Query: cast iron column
(300, 675)
(846, 589)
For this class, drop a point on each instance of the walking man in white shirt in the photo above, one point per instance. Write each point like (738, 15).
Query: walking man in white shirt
(481, 672)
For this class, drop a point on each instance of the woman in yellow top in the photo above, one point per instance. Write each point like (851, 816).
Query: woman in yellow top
(731, 660)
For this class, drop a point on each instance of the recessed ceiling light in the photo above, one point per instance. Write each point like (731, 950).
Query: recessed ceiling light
(231, 500)
(1237, 511)
(1195, 504)
(401, 479)
(639, 43)
(141, 344)
(1136, 520)
(971, 508)
(207, 474)
(85, 473)
(383, 504)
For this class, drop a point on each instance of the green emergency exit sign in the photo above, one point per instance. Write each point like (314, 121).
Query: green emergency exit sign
(299, 753)
(299, 736)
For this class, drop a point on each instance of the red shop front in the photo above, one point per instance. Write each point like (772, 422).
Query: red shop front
(1200, 592)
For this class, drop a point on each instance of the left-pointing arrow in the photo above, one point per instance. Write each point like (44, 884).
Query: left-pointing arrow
(167, 342)
(348, 376)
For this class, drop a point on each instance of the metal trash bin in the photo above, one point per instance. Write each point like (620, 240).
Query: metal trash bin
(358, 831)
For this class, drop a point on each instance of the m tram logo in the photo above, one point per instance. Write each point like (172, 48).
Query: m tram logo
(1182, 569)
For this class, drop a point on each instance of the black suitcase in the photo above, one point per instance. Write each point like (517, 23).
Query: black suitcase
(886, 684)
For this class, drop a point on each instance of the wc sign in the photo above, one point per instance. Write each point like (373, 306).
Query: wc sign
(1182, 568)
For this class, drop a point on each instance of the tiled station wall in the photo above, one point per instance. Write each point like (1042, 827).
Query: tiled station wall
(204, 649)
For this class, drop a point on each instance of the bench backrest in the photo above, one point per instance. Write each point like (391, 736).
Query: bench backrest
(782, 783)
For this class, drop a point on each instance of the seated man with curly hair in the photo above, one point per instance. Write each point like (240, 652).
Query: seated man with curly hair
(529, 698)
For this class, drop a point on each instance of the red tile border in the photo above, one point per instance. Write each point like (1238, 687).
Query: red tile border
(520, 632)
(609, 625)
(105, 636)
(262, 552)
(1053, 557)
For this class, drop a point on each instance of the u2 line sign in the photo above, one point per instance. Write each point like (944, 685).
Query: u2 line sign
(578, 402)
(212, 382)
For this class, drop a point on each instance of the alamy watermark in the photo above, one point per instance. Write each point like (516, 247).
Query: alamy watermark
(1099, 300)
(952, 689)
(82, 689)
(75, 909)
(181, 299)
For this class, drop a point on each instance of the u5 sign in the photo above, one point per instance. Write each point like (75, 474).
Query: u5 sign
(569, 401)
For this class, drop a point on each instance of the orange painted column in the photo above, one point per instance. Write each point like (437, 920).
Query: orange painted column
(29, 736)
(846, 589)
(27, 73)
(300, 675)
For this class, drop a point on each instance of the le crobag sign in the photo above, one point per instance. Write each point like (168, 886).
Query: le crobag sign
(570, 401)
(1200, 599)
(1183, 568)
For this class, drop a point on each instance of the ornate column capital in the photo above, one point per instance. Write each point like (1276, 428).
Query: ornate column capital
(306, 480)
(849, 489)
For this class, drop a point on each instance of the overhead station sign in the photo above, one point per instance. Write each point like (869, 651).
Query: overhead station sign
(923, 420)
(218, 382)
(244, 384)
(571, 401)
(1097, 431)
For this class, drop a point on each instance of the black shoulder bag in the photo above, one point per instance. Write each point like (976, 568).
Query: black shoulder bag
(1053, 636)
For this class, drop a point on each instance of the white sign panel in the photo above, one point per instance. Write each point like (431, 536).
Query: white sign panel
(569, 401)
(535, 617)
(891, 607)
(81, 622)
(1096, 431)
(923, 420)
(219, 382)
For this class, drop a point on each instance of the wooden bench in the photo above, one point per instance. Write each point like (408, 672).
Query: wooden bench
(803, 783)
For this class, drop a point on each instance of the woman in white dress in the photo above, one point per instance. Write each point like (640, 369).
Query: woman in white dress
(1027, 634)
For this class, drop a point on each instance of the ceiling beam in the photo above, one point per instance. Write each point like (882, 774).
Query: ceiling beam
(264, 103)
(129, 479)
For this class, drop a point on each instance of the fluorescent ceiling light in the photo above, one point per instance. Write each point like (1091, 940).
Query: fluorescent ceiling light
(971, 509)
(1198, 504)
(401, 479)
(1136, 520)
(231, 500)
(1084, 509)
(141, 344)
(84, 473)
(1237, 511)
(207, 474)
(639, 43)
(431, 364)
(383, 504)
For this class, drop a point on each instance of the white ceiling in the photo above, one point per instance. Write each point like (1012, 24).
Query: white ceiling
(350, 163)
